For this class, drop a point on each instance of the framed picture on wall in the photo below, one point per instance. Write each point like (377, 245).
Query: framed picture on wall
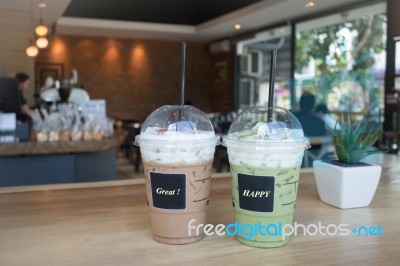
(45, 70)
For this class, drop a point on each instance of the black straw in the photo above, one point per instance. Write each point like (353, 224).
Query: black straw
(271, 83)
(182, 73)
(181, 81)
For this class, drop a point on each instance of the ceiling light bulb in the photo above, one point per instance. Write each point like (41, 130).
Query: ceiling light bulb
(32, 50)
(42, 5)
(310, 4)
(42, 42)
(238, 26)
(41, 30)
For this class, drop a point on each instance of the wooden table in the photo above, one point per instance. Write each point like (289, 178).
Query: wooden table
(109, 226)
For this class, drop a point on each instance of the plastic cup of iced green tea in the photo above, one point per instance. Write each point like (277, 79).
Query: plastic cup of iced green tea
(265, 153)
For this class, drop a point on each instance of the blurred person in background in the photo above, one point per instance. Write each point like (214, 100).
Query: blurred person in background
(312, 125)
(23, 84)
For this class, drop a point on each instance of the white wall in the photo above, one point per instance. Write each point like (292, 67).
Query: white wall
(16, 30)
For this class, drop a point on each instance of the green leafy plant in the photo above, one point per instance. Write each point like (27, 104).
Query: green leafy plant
(353, 143)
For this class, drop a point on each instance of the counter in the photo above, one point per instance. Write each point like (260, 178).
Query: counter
(60, 147)
(107, 224)
(30, 163)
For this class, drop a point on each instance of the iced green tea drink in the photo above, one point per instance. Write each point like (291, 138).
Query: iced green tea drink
(265, 157)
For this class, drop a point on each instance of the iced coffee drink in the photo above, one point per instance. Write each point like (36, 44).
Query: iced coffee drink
(177, 146)
(265, 155)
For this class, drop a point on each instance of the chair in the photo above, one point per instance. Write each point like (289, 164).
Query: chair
(131, 151)
(222, 123)
(220, 159)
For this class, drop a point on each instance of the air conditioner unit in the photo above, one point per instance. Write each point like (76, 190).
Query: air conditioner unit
(251, 64)
(220, 47)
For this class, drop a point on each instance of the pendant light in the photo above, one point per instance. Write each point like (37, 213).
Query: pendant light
(42, 42)
(41, 29)
(31, 50)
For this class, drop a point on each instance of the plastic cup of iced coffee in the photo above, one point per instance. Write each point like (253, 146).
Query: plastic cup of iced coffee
(177, 144)
(265, 153)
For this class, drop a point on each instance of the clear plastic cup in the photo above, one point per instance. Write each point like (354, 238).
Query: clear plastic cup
(265, 159)
(177, 144)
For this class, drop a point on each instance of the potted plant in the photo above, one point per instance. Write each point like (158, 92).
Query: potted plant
(347, 182)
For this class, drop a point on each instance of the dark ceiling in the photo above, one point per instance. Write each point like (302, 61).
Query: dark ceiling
(185, 12)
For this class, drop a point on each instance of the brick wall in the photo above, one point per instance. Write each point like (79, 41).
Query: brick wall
(134, 76)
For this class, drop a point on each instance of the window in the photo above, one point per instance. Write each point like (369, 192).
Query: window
(341, 59)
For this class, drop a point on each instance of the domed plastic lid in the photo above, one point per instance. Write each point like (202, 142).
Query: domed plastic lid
(253, 125)
(177, 120)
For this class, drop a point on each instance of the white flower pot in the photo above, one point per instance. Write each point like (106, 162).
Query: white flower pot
(346, 187)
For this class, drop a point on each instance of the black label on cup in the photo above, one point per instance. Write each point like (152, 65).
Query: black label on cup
(168, 190)
(256, 193)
